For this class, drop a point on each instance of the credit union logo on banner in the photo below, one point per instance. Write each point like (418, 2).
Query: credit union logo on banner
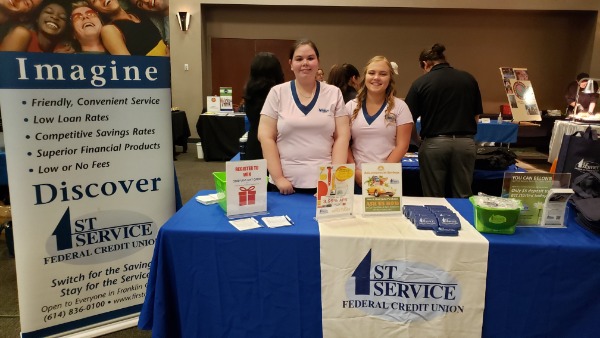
(99, 237)
(402, 291)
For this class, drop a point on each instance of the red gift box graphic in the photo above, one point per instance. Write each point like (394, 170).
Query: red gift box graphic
(247, 195)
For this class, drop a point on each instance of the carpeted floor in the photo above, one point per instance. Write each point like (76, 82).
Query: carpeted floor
(193, 175)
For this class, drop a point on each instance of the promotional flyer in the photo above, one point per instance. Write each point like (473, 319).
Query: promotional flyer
(89, 158)
(246, 188)
(335, 191)
(382, 188)
(531, 189)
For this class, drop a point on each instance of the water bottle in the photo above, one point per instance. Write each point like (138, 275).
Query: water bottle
(500, 118)
(243, 141)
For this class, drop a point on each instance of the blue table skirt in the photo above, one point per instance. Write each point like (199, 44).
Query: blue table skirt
(210, 280)
(541, 282)
(493, 131)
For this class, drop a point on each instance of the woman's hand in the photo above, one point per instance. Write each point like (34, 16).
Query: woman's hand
(285, 187)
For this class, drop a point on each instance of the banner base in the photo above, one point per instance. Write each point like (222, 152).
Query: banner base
(104, 329)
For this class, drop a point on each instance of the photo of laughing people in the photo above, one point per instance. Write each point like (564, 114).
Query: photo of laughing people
(118, 27)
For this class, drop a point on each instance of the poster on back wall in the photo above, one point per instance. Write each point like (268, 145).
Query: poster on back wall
(519, 92)
(89, 158)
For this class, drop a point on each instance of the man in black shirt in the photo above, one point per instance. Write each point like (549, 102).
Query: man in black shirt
(448, 101)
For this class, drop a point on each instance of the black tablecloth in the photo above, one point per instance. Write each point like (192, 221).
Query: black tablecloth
(220, 135)
(181, 130)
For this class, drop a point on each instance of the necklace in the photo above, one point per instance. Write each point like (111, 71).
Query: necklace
(308, 97)
(304, 96)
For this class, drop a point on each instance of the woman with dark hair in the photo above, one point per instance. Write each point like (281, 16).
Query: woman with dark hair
(51, 26)
(448, 101)
(303, 124)
(128, 33)
(347, 78)
(13, 12)
(13, 9)
(265, 72)
(381, 123)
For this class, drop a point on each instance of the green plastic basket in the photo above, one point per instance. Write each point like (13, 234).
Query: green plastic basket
(494, 220)
(221, 187)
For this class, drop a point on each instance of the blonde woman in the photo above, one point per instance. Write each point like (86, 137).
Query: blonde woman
(86, 28)
(381, 124)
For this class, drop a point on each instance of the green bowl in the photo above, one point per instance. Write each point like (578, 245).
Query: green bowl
(495, 220)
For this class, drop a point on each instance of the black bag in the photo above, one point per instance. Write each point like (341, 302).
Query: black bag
(494, 158)
(579, 154)
(587, 200)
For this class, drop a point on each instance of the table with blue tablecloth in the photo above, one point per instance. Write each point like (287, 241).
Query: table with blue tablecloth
(208, 279)
(504, 132)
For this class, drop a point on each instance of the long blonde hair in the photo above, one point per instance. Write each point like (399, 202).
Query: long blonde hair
(390, 91)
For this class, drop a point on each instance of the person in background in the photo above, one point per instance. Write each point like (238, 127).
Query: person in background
(51, 27)
(347, 78)
(86, 28)
(303, 124)
(320, 75)
(585, 102)
(265, 72)
(128, 33)
(448, 101)
(158, 11)
(381, 123)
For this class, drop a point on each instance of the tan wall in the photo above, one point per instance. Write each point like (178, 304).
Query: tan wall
(553, 44)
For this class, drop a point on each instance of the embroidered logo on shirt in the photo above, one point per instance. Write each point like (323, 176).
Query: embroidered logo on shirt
(323, 110)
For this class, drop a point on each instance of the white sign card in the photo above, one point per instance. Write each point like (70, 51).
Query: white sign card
(335, 190)
(246, 187)
(382, 188)
(555, 207)
(213, 104)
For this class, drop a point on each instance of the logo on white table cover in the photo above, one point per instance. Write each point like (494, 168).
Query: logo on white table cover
(402, 291)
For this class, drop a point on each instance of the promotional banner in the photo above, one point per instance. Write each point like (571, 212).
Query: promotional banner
(395, 285)
(89, 156)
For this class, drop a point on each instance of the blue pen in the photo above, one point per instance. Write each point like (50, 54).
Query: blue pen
(289, 219)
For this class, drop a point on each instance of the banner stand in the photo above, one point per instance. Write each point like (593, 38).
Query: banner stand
(104, 329)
